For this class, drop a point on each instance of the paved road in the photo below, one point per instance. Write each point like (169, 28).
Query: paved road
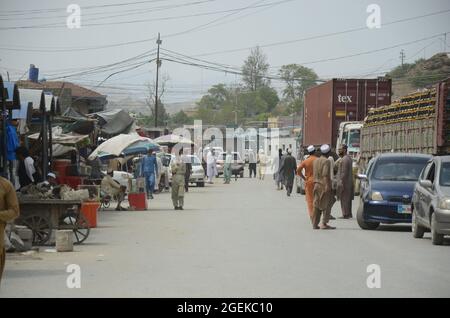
(240, 240)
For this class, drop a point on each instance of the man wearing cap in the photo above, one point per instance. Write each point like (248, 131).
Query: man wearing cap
(113, 188)
(307, 165)
(322, 189)
(345, 189)
(288, 169)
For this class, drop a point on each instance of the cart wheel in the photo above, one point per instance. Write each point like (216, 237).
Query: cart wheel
(41, 227)
(106, 204)
(81, 229)
(77, 223)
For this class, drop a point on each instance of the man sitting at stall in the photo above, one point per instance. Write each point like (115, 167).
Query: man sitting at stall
(114, 189)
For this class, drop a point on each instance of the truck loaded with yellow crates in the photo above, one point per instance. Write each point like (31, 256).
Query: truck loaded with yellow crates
(417, 123)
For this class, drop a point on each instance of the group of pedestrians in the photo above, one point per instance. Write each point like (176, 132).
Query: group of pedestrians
(326, 181)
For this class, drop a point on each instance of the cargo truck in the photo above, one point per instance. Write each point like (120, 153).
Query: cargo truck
(337, 101)
(417, 123)
(334, 111)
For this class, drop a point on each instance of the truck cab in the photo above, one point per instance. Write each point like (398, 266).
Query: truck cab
(349, 134)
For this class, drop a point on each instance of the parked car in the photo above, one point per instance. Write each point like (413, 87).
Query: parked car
(198, 173)
(237, 165)
(431, 201)
(387, 189)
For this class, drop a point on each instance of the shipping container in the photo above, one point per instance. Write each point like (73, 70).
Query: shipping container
(340, 100)
(417, 123)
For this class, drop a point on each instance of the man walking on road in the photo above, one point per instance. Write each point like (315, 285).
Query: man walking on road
(322, 190)
(288, 169)
(345, 189)
(178, 181)
(149, 170)
(211, 166)
(307, 165)
(9, 210)
(262, 158)
(252, 163)
(227, 167)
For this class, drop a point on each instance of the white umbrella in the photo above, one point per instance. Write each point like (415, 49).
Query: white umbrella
(172, 140)
(115, 145)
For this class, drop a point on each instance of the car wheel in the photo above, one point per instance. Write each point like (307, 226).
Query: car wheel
(436, 238)
(200, 184)
(417, 230)
(362, 223)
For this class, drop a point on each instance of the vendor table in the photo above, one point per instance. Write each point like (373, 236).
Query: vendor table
(44, 215)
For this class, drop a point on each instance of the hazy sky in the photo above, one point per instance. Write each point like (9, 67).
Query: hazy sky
(36, 32)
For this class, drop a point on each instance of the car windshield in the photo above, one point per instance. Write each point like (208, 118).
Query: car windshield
(444, 177)
(399, 170)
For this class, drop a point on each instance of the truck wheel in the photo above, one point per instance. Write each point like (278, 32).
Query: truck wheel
(436, 238)
(361, 222)
(417, 230)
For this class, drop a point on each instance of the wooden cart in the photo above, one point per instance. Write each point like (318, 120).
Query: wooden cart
(44, 215)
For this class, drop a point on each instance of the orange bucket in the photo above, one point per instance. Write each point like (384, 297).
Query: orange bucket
(89, 210)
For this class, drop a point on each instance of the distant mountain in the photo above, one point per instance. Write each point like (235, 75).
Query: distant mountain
(140, 106)
(420, 74)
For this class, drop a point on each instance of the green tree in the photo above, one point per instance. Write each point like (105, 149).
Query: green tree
(181, 118)
(270, 96)
(297, 79)
(255, 69)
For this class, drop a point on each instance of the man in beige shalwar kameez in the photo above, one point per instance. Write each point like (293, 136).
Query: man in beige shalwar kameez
(323, 195)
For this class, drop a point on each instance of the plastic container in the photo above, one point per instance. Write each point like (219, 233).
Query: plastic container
(138, 201)
(60, 167)
(89, 210)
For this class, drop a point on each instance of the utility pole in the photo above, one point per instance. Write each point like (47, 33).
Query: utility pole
(402, 56)
(158, 64)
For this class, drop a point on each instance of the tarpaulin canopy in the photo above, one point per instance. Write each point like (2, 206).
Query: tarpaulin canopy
(115, 145)
(114, 122)
(172, 140)
(12, 95)
(140, 147)
(64, 139)
(34, 96)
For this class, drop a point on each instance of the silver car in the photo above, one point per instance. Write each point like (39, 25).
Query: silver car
(431, 201)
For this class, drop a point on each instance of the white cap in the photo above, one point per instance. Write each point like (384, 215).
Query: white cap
(311, 149)
(325, 149)
(51, 174)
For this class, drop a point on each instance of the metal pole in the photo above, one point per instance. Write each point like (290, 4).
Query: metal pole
(44, 145)
(158, 63)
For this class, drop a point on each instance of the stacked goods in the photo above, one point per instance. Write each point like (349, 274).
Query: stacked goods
(417, 123)
(411, 107)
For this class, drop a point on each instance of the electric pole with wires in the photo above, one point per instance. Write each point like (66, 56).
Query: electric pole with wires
(402, 57)
(158, 64)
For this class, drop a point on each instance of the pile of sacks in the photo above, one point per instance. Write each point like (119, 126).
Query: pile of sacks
(45, 191)
(18, 238)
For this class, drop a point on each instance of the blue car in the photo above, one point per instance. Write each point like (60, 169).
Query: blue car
(387, 189)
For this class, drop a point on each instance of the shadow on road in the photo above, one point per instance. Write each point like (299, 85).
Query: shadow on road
(395, 228)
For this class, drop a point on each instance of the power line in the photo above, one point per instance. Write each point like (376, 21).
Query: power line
(55, 50)
(63, 25)
(321, 36)
(57, 25)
